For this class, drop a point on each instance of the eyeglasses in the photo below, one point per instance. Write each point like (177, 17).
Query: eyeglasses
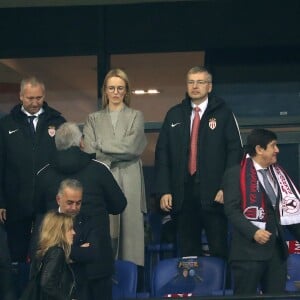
(119, 88)
(198, 82)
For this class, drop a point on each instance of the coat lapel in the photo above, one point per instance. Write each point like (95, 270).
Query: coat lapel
(124, 122)
(105, 122)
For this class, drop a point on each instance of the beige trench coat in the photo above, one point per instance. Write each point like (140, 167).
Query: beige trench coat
(121, 149)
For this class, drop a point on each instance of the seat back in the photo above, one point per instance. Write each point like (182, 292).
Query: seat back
(293, 273)
(160, 244)
(170, 277)
(124, 280)
(288, 236)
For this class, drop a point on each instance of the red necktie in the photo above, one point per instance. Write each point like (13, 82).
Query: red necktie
(194, 140)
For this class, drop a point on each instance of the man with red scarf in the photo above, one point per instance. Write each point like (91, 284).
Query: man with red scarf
(258, 208)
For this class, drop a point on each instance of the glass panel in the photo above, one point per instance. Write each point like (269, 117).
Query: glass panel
(148, 154)
(163, 71)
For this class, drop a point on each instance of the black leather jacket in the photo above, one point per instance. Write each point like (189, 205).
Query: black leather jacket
(56, 277)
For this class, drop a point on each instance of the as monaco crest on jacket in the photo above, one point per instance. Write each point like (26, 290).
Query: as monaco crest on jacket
(212, 123)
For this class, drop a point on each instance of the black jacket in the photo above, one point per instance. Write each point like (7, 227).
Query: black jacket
(21, 157)
(101, 196)
(101, 193)
(219, 147)
(56, 277)
(95, 261)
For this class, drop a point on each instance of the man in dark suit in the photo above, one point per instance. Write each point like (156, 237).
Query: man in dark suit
(89, 250)
(198, 141)
(259, 200)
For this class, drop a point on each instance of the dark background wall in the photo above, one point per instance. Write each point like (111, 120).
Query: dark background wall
(233, 34)
(179, 26)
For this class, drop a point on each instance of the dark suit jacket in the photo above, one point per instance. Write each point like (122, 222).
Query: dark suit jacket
(243, 245)
(97, 260)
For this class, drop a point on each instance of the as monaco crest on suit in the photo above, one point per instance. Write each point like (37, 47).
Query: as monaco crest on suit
(212, 123)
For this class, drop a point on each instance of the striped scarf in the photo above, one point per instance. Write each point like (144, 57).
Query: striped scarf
(254, 199)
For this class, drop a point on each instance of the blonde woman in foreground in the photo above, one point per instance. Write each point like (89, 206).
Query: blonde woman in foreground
(55, 240)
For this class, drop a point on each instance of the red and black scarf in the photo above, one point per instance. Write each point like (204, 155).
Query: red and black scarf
(254, 199)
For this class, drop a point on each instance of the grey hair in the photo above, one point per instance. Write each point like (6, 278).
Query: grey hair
(71, 183)
(67, 136)
(34, 81)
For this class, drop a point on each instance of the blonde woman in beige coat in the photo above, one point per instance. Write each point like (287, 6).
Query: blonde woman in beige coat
(116, 135)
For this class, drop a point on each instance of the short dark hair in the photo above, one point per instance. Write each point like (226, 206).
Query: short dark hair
(259, 137)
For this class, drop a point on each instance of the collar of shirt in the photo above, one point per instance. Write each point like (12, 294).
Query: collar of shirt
(202, 107)
(260, 177)
(35, 120)
(28, 114)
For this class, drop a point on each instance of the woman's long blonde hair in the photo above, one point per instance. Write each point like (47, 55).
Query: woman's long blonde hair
(116, 73)
(53, 232)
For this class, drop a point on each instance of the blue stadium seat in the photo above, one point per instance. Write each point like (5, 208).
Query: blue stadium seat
(206, 277)
(156, 249)
(124, 280)
(293, 273)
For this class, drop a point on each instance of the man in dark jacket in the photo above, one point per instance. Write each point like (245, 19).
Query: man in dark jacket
(189, 177)
(102, 196)
(260, 200)
(26, 144)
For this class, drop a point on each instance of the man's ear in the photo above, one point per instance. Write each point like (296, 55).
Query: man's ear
(259, 149)
(210, 88)
(57, 199)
